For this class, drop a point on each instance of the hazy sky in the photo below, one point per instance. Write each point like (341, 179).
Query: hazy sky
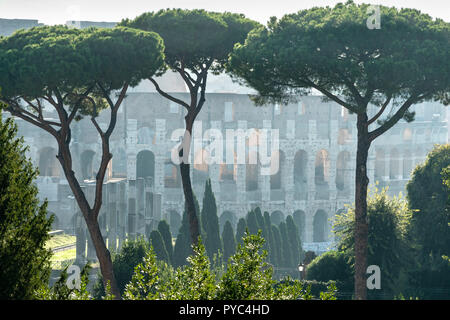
(60, 11)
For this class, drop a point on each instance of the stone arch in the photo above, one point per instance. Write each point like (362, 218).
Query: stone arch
(87, 164)
(227, 216)
(320, 226)
(394, 164)
(48, 163)
(277, 163)
(145, 165)
(342, 170)
(299, 217)
(322, 168)
(277, 217)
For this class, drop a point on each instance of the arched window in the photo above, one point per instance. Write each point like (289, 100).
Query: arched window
(322, 168)
(277, 217)
(145, 165)
(320, 226)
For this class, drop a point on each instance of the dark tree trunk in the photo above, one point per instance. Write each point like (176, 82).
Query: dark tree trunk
(187, 188)
(361, 225)
(104, 257)
(90, 217)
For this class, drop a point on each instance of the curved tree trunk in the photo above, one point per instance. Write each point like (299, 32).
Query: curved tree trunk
(187, 186)
(361, 226)
(90, 217)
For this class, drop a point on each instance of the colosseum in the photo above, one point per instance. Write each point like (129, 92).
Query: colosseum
(314, 182)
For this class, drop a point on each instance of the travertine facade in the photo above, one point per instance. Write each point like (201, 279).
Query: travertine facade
(315, 180)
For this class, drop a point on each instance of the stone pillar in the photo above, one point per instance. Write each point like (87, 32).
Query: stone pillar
(241, 167)
(112, 216)
(80, 239)
(122, 213)
(140, 206)
(132, 209)
(264, 181)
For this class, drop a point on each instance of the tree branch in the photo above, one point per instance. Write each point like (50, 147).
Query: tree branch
(168, 96)
(383, 107)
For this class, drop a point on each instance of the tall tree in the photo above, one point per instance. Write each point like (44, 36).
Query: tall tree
(269, 239)
(210, 222)
(277, 255)
(157, 242)
(240, 230)
(429, 231)
(333, 51)
(24, 226)
(164, 230)
(252, 223)
(286, 246)
(294, 241)
(76, 72)
(183, 248)
(196, 42)
(229, 242)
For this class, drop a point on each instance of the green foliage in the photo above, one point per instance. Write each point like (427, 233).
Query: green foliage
(229, 242)
(429, 231)
(164, 230)
(182, 248)
(61, 290)
(36, 61)
(210, 222)
(240, 230)
(269, 238)
(247, 276)
(286, 247)
(194, 37)
(252, 222)
(24, 225)
(332, 265)
(124, 262)
(294, 240)
(157, 242)
(277, 253)
(388, 219)
(332, 50)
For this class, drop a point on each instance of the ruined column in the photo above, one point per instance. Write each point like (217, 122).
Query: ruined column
(132, 209)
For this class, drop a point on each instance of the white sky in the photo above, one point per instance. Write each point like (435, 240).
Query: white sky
(60, 11)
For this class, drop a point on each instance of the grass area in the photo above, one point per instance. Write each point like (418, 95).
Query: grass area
(60, 240)
(63, 258)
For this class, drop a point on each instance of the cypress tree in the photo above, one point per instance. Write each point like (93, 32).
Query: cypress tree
(268, 225)
(294, 240)
(24, 226)
(229, 242)
(286, 250)
(210, 222)
(252, 223)
(183, 248)
(240, 230)
(157, 242)
(164, 230)
(278, 257)
(262, 227)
